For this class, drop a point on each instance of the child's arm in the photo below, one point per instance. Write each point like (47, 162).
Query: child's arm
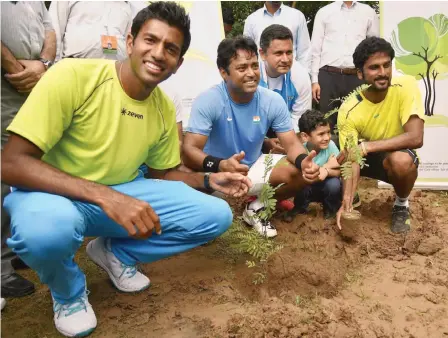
(332, 166)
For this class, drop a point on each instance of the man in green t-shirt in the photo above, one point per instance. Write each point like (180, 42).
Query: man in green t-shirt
(73, 156)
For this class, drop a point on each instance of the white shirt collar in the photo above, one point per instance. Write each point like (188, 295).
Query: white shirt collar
(265, 11)
(343, 4)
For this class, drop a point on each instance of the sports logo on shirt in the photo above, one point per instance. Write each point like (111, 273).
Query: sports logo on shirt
(256, 119)
(125, 112)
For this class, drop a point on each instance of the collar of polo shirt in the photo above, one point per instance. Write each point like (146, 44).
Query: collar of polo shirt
(277, 12)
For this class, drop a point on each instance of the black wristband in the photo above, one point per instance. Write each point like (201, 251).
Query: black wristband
(207, 182)
(298, 161)
(211, 164)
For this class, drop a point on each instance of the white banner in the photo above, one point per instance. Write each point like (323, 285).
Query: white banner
(418, 32)
(199, 71)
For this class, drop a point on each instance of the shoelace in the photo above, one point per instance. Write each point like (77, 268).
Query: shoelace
(77, 305)
(128, 270)
(400, 213)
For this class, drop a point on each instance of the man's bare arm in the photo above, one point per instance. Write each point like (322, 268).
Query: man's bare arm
(23, 168)
(9, 62)
(291, 144)
(412, 138)
(49, 49)
(192, 154)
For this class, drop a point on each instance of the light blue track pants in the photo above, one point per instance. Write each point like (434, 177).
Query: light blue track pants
(47, 230)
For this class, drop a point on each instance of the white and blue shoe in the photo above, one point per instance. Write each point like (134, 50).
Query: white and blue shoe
(75, 319)
(126, 278)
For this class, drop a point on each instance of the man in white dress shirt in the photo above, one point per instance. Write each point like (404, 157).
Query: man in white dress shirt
(274, 12)
(91, 29)
(338, 28)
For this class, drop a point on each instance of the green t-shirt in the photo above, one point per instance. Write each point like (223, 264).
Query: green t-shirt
(324, 155)
(87, 126)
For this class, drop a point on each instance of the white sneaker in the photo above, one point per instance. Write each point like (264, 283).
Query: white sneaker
(75, 319)
(265, 228)
(126, 278)
(2, 303)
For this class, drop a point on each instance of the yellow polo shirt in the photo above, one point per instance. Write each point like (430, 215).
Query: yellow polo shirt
(380, 121)
(87, 126)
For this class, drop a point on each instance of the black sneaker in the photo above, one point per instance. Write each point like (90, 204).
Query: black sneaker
(14, 286)
(401, 219)
(289, 215)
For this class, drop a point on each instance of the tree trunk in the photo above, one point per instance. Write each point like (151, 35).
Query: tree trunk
(434, 97)
(428, 101)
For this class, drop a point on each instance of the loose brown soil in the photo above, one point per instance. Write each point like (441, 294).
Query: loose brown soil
(363, 282)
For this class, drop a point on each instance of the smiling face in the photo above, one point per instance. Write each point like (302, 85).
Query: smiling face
(155, 52)
(278, 57)
(319, 137)
(377, 71)
(244, 73)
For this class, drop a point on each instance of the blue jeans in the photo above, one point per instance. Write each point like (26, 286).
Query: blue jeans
(47, 230)
(328, 192)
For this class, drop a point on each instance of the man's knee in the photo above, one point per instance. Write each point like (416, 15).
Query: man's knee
(45, 232)
(221, 215)
(400, 164)
(332, 186)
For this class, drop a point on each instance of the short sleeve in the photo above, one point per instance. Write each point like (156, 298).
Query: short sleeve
(302, 83)
(166, 153)
(49, 109)
(410, 101)
(280, 116)
(346, 126)
(47, 19)
(333, 149)
(203, 114)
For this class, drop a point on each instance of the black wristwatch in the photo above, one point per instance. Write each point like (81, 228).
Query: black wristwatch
(207, 183)
(47, 63)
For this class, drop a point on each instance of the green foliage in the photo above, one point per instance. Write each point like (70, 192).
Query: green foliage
(240, 239)
(267, 192)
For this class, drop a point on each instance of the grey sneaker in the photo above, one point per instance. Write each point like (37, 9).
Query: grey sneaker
(401, 219)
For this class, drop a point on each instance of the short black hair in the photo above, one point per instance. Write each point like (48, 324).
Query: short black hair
(166, 11)
(227, 16)
(311, 119)
(229, 47)
(274, 32)
(368, 47)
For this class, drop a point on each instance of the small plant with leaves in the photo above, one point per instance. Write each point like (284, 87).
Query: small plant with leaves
(268, 192)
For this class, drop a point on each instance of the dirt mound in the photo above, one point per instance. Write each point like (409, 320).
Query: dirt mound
(365, 282)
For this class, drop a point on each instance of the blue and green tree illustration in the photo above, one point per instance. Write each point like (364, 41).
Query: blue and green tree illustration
(421, 49)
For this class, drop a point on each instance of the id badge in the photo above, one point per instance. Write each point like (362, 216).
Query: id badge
(109, 44)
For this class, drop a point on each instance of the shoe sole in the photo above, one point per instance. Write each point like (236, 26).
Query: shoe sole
(100, 263)
(81, 334)
(250, 224)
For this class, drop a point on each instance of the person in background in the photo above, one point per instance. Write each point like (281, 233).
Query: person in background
(91, 29)
(281, 74)
(276, 12)
(315, 133)
(28, 48)
(338, 28)
(228, 20)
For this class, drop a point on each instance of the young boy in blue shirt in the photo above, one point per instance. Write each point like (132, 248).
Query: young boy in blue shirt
(315, 135)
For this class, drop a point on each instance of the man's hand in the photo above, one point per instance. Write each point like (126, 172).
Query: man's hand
(25, 80)
(274, 146)
(232, 165)
(136, 216)
(310, 170)
(347, 206)
(231, 184)
(323, 173)
(315, 88)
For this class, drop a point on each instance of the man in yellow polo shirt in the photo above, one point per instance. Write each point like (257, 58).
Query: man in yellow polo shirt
(73, 158)
(386, 116)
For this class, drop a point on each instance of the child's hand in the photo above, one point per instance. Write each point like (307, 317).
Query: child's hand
(323, 173)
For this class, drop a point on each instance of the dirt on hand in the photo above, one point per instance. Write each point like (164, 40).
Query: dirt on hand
(363, 282)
